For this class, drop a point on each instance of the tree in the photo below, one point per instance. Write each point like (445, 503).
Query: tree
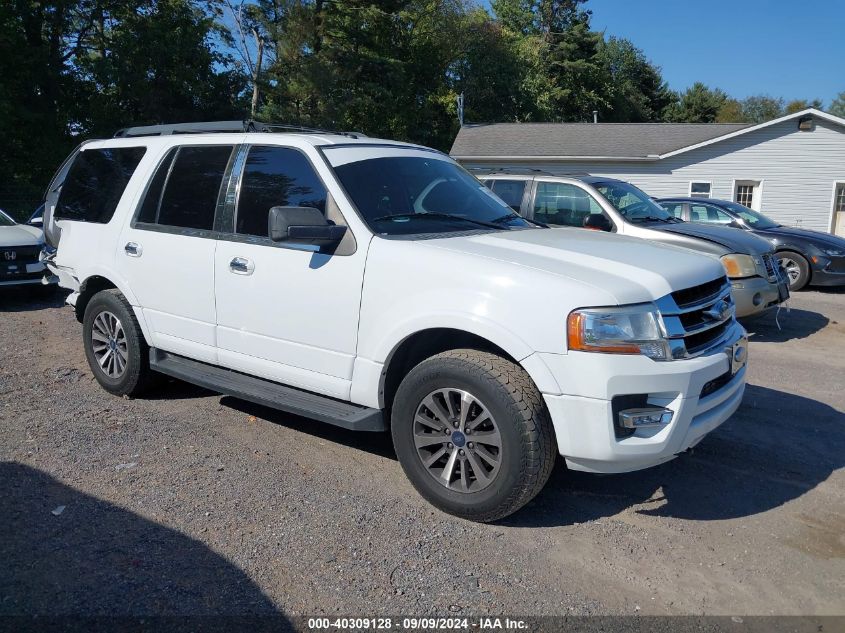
(761, 108)
(697, 104)
(837, 106)
(636, 88)
(802, 104)
(730, 112)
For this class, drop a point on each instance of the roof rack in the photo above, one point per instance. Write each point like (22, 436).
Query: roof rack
(205, 127)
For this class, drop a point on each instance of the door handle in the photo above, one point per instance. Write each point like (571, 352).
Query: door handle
(133, 249)
(241, 266)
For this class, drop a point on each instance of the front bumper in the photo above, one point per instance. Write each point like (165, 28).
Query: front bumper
(584, 423)
(828, 271)
(26, 274)
(753, 295)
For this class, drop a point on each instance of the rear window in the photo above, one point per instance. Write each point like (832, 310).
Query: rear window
(95, 183)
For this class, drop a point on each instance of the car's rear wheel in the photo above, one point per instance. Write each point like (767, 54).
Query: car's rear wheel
(797, 269)
(472, 434)
(114, 344)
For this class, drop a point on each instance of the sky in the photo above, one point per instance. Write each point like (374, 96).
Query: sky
(794, 50)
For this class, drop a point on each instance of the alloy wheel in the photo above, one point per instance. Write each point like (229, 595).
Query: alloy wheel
(108, 342)
(792, 269)
(457, 440)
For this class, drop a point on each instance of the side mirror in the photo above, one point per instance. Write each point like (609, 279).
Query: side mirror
(597, 222)
(303, 225)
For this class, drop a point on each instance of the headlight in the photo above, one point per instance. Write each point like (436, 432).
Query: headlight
(834, 252)
(626, 330)
(739, 265)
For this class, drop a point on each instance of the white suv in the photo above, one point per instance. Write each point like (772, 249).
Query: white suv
(373, 284)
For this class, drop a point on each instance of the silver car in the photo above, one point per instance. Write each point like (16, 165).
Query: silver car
(607, 204)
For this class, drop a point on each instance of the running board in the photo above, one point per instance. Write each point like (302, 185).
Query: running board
(267, 393)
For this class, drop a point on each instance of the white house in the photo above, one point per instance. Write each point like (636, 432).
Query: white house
(791, 168)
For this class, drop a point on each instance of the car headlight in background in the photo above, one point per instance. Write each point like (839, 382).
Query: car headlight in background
(834, 252)
(625, 330)
(737, 265)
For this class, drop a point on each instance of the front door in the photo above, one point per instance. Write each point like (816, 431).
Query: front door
(285, 312)
(166, 254)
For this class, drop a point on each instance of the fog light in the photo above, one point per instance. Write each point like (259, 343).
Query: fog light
(640, 418)
(758, 299)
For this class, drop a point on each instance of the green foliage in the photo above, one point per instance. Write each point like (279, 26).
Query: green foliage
(697, 104)
(762, 108)
(635, 87)
(802, 104)
(837, 106)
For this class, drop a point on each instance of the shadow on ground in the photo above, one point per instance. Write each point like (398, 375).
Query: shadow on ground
(777, 447)
(96, 559)
(774, 327)
(379, 444)
(34, 298)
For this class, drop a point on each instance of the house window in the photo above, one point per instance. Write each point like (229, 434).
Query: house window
(839, 204)
(747, 193)
(699, 189)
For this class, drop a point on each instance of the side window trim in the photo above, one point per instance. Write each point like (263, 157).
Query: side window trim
(135, 223)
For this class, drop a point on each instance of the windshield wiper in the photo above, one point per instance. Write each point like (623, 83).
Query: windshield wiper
(516, 216)
(433, 215)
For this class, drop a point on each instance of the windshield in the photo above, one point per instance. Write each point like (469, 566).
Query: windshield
(404, 195)
(752, 218)
(5, 220)
(631, 202)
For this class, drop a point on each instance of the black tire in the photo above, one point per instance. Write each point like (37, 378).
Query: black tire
(801, 268)
(136, 376)
(528, 447)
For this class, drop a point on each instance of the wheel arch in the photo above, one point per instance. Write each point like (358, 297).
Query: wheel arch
(425, 343)
(97, 282)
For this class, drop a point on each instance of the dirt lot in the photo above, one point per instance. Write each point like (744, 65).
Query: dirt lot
(189, 503)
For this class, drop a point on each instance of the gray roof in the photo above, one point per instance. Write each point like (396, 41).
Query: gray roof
(611, 140)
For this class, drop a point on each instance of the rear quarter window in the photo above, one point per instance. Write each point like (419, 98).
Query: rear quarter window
(95, 183)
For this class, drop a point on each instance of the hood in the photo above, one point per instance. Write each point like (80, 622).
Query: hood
(735, 240)
(20, 235)
(630, 269)
(825, 240)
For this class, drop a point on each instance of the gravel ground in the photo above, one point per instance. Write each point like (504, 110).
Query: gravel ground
(189, 503)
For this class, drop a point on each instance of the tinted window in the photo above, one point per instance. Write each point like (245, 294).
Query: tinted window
(191, 177)
(95, 183)
(563, 204)
(276, 177)
(675, 208)
(706, 213)
(632, 203)
(509, 190)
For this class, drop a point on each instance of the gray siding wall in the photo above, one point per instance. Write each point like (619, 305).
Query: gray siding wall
(797, 170)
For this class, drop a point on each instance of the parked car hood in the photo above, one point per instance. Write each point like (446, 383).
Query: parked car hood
(825, 240)
(20, 235)
(735, 240)
(631, 269)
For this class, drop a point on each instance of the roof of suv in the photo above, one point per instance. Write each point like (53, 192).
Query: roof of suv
(545, 175)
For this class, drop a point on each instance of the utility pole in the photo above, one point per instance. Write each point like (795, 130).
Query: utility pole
(461, 109)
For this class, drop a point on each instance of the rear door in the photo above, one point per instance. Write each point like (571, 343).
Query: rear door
(166, 254)
(286, 312)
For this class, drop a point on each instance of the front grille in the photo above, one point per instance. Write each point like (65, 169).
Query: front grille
(691, 296)
(697, 318)
(771, 265)
(19, 254)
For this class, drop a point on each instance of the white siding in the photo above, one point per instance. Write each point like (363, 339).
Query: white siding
(797, 170)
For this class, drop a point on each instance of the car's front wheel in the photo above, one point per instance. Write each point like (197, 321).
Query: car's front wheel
(472, 434)
(797, 269)
(114, 344)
